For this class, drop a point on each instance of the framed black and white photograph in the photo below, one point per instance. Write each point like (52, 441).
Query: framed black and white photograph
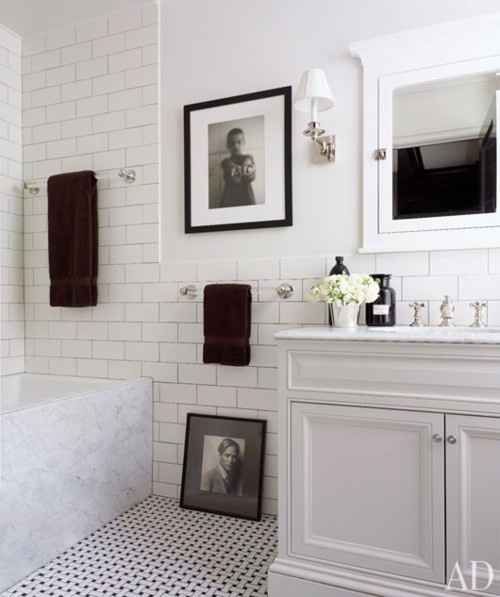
(223, 465)
(237, 162)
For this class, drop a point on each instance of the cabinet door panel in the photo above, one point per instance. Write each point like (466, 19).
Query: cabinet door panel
(473, 497)
(367, 488)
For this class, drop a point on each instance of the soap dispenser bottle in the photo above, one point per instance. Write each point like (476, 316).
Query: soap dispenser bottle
(338, 269)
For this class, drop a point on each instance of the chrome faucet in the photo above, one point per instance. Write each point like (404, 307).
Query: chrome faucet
(447, 309)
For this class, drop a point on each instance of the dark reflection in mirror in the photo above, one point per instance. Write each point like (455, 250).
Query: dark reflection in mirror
(446, 179)
(444, 147)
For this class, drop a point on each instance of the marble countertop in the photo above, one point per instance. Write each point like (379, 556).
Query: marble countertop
(453, 335)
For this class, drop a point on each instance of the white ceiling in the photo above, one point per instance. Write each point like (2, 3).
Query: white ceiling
(31, 16)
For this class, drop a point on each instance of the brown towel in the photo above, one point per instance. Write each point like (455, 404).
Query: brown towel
(73, 244)
(227, 316)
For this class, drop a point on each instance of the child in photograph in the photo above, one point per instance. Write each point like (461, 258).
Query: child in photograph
(239, 172)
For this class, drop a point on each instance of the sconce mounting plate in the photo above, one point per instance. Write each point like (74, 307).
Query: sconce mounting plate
(324, 149)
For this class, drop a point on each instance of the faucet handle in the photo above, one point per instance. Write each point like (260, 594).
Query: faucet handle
(417, 314)
(478, 314)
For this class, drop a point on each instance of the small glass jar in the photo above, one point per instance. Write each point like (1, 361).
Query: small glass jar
(382, 312)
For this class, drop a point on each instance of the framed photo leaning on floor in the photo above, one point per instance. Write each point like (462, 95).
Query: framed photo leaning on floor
(223, 465)
(237, 162)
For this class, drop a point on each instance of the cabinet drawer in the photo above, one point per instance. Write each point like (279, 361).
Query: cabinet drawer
(361, 371)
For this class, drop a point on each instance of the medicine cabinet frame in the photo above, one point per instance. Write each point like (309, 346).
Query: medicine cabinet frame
(444, 51)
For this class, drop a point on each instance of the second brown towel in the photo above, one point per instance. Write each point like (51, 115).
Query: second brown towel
(227, 318)
(72, 215)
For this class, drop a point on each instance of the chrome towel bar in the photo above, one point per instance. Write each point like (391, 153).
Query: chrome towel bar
(284, 290)
(128, 174)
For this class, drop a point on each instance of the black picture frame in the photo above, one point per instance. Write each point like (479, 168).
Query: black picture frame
(209, 440)
(277, 196)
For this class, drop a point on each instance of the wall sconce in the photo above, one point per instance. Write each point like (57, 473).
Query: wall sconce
(314, 95)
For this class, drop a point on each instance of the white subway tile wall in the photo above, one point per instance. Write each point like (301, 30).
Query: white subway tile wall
(12, 344)
(90, 96)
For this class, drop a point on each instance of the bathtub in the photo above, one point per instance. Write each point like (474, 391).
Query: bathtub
(74, 454)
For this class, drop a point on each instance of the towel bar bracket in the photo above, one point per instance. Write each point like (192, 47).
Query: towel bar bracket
(284, 290)
(190, 291)
(128, 174)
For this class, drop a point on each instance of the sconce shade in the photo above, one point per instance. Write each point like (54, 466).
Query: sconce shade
(313, 85)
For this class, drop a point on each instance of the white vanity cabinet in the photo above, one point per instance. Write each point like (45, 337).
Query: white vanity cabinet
(389, 454)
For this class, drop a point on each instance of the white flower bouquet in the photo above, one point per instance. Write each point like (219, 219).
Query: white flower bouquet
(342, 289)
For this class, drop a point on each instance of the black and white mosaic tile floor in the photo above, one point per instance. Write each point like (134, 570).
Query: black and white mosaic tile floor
(157, 549)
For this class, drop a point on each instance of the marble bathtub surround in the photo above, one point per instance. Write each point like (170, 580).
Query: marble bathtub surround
(67, 468)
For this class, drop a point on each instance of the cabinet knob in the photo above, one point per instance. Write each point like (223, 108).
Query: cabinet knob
(437, 439)
(452, 439)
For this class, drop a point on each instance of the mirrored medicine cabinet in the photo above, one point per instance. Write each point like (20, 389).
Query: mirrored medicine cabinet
(430, 159)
